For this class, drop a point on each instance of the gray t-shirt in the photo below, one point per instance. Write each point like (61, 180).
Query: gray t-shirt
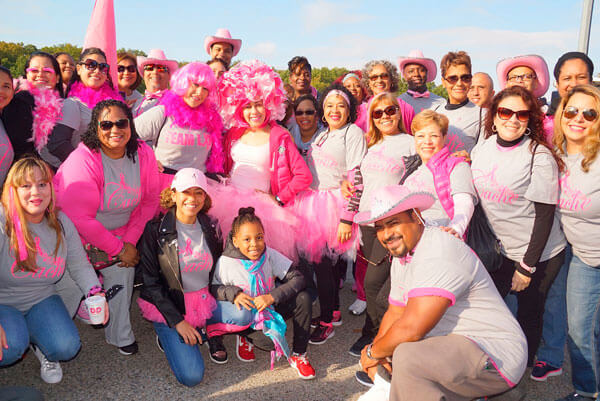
(175, 147)
(423, 103)
(22, 289)
(383, 165)
(507, 191)
(333, 154)
(579, 208)
(466, 124)
(142, 105)
(230, 271)
(122, 191)
(461, 182)
(444, 266)
(195, 259)
(7, 153)
(135, 95)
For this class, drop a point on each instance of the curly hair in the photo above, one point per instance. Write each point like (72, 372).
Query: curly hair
(591, 144)
(167, 202)
(535, 122)
(352, 107)
(90, 136)
(391, 69)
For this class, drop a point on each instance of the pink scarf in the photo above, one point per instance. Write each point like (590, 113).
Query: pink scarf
(48, 109)
(441, 165)
(204, 117)
(90, 96)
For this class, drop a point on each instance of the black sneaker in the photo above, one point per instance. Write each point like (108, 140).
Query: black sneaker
(358, 346)
(129, 349)
(363, 378)
(216, 350)
(543, 370)
(576, 397)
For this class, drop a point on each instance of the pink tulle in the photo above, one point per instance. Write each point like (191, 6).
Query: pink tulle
(279, 223)
(199, 306)
(48, 109)
(204, 117)
(319, 214)
(90, 96)
(250, 81)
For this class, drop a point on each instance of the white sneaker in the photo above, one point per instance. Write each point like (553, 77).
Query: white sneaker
(51, 372)
(379, 392)
(358, 307)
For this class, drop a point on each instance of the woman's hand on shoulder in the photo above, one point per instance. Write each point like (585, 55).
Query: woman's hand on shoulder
(462, 154)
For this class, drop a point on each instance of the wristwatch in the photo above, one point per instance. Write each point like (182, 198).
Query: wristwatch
(368, 352)
(529, 269)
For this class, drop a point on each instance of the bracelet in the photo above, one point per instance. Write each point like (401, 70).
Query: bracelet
(368, 352)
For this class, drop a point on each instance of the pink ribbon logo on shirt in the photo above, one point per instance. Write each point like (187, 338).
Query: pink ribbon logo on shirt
(123, 196)
(53, 266)
(195, 261)
(490, 189)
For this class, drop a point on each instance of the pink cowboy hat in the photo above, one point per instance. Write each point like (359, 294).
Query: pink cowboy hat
(416, 57)
(391, 200)
(533, 61)
(156, 56)
(222, 36)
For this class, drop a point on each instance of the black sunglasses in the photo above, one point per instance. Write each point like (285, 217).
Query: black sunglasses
(91, 65)
(572, 112)
(466, 78)
(307, 112)
(390, 111)
(130, 68)
(106, 125)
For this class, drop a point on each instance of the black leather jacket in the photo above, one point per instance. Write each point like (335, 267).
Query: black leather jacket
(159, 264)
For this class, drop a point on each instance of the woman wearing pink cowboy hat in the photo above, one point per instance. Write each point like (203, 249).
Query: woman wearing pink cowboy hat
(417, 71)
(222, 46)
(156, 70)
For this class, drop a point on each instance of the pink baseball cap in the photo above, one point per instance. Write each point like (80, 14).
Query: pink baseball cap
(187, 178)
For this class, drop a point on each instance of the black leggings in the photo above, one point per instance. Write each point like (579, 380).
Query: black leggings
(299, 308)
(532, 299)
(378, 272)
(328, 273)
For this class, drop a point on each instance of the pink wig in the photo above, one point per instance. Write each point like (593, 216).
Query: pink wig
(198, 73)
(251, 81)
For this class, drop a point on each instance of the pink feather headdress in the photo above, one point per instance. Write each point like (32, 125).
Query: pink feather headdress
(250, 81)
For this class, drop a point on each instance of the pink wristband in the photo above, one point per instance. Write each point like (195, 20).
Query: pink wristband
(529, 269)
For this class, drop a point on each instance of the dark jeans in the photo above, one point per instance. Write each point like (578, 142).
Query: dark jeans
(299, 309)
(378, 272)
(328, 273)
(532, 299)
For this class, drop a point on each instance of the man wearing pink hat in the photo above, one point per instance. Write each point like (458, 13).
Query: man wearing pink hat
(417, 71)
(156, 70)
(530, 72)
(447, 332)
(221, 45)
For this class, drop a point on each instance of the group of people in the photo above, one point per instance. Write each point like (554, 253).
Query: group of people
(236, 201)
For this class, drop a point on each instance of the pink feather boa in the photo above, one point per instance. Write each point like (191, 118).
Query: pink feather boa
(90, 96)
(204, 117)
(48, 109)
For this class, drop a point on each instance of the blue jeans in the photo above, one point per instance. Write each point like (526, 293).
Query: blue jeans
(186, 360)
(47, 324)
(583, 303)
(554, 333)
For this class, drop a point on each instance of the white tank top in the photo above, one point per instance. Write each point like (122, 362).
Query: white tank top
(251, 166)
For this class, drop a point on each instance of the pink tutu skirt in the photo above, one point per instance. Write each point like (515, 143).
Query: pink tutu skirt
(319, 215)
(199, 306)
(279, 223)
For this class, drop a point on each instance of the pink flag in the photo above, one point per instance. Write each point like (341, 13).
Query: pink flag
(102, 33)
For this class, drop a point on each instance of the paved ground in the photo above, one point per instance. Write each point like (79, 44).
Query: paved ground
(100, 373)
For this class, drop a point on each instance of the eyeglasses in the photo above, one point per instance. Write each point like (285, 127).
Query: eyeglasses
(522, 78)
(91, 65)
(466, 78)
(385, 75)
(506, 114)
(45, 70)
(307, 112)
(390, 111)
(159, 68)
(129, 68)
(572, 112)
(107, 125)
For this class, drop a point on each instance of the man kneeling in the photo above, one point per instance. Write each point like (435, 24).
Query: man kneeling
(447, 332)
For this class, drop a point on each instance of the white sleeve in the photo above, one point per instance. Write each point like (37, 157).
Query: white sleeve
(463, 210)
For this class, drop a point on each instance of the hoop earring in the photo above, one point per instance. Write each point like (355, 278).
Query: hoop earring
(494, 129)
(527, 131)
(323, 119)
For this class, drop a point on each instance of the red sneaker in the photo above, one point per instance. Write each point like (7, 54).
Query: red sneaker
(337, 318)
(300, 363)
(244, 349)
(322, 333)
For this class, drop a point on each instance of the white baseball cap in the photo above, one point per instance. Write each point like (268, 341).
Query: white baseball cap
(187, 178)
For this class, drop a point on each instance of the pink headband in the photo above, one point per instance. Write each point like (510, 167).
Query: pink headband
(337, 92)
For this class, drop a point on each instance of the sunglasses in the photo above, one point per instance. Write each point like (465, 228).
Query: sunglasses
(466, 78)
(159, 68)
(521, 78)
(572, 112)
(45, 70)
(129, 68)
(385, 75)
(390, 111)
(107, 125)
(506, 114)
(91, 65)
(307, 112)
